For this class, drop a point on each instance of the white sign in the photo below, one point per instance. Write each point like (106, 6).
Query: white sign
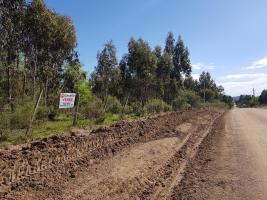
(67, 100)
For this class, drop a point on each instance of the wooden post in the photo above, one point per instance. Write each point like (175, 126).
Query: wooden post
(34, 112)
(75, 119)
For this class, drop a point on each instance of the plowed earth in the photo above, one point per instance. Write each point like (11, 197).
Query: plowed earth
(143, 159)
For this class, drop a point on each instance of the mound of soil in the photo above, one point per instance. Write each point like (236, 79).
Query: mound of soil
(129, 160)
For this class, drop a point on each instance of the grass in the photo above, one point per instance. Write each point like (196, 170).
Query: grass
(43, 129)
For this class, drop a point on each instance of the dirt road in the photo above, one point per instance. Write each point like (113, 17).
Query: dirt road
(232, 162)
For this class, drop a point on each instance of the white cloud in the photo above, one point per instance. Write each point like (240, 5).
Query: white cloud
(195, 76)
(201, 66)
(262, 63)
(236, 84)
(245, 76)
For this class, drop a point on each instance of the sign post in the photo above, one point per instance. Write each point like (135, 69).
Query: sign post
(75, 119)
(67, 100)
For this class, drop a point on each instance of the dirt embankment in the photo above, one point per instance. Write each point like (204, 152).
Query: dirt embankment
(129, 160)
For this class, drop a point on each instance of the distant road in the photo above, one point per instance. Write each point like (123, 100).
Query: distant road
(234, 166)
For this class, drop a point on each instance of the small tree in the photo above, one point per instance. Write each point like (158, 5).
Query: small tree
(263, 97)
(170, 44)
(104, 77)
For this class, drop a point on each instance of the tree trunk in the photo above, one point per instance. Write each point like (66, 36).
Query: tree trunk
(18, 60)
(9, 83)
(105, 100)
(34, 76)
(24, 78)
(46, 91)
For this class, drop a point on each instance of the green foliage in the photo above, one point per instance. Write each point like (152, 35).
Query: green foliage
(4, 125)
(186, 99)
(94, 109)
(84, 90)
(228, 100)
(192, 98)
(127, 109)
(105, 77)
(141, 63)
(263, 97)
(137, 108)
(181, 60)
(20, 118)
(37, 53)
(157, 106)
(244, 101)
(42, 113)
(52, 114)
(180, 103)
(111, 119)
(215, 104)
(170, 44)
(190, 83)
(254, 102)
(113, 105)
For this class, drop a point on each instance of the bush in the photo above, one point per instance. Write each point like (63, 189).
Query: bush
(42, 113)
(4, 126)
(263, 97)
(137, 108)
(52, 115)
(156, 106)
(180, 103)
(113, 105)
(192, 99)
(253, 102)
(187, 99)
(93, 109)
(20, 118)
(214, 103)
(127, 109)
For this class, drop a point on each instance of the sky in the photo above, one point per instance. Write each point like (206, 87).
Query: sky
(228, 38)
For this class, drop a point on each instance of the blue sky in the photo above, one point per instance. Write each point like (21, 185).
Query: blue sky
(226, 37)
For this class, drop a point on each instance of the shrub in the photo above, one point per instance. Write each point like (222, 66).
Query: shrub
(263, 97)
(157, 106)
(52, 115)
(42, 113)
(93, 109)
(187, 99)
(192, 99)
(214, 103)
(113, 105)
(4, 126)
(127, 109)
(137, 108)
(180, 103)
(20, 118)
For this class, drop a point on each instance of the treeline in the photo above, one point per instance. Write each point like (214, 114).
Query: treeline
(252, 101)
(37, 56)
(36, 49)
(145, 74)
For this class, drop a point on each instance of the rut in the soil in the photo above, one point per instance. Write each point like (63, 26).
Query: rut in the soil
(121, 161)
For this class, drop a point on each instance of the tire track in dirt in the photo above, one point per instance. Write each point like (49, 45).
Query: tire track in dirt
(173, 171)
(44, 166)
